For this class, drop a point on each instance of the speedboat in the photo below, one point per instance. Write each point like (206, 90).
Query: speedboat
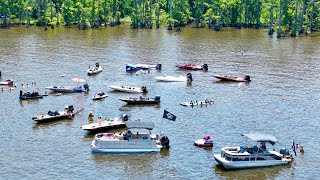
(148, 66)
(141, 100)
(206, 141)
(193, 66)
(69, 89)
(99, 96)
(29, 95)
(233, 78)
(253, 157)
(129, 89)
(174, 78)
(106, 124)
(55, 115)
(137, 139)
(197, 103)
(94, 70)
(7, 82)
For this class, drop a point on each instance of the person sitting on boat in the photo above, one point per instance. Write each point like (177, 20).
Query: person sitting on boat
(137, 135)
(206, 101)
(263, 146)
(127, 135)
(191, 103)
(99, 121)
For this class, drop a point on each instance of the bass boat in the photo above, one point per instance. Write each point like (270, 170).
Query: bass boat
(141, 100)
(253, 157)
(129, 89)
(99, 96)
(233, 78)
(174, 78)
(192, 66)
(55, 115)
(69, 89)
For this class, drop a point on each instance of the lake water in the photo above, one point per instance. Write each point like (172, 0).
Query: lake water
(282, 100)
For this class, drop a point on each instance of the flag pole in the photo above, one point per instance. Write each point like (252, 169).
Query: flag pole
(161, 126)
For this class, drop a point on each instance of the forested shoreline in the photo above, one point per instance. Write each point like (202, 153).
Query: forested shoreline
(285, 17)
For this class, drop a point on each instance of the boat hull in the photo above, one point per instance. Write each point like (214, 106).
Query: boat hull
(95, 130)
(126, 89)
(49, 119)
(92, 72)
(138, 101)
(26, 97)
(171, 79)
(231, 78)
(233, 165)
(100, 97)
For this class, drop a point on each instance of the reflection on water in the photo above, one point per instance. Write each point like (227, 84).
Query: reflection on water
(255, 173)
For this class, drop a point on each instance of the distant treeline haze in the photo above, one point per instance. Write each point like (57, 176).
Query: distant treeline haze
(283, 16)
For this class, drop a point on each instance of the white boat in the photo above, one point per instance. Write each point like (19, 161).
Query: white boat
(55, 115)
(106, 124)
(129, 89)
(148, 66)
(137, 139)
(95, 69)
(7, 82)
(252, 157)
(99, 96)
(174, 78)
(197, 103)
(69, 89)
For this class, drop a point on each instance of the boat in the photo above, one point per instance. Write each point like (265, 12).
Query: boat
(106, 124)
(193, 66)
(206, 141)
(55, 115)
(99, 96)
(69, 89)
(137, 139)
(129, 89)
(7, 82)
(141, 100)
(197, 103)
(137, 67)
(174, 78)
(95, 69)
(29, 95)
(233, 78)
(148, 66)
(241, 157)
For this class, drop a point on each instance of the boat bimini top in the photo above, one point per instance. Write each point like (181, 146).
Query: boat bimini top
(257, 137)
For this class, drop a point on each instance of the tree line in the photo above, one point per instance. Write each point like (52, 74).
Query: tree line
(281, 16)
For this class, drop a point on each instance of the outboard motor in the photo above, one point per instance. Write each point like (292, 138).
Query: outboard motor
(125, 117)
(157, 98)
(86, 87)
(20, 93)
(0, 73)
(247, 78)
(97, 65)
(144, 89)
(158, 67)
(189, 77)
(205, 67)
(284, 152)
(165, 142)
(70, 108)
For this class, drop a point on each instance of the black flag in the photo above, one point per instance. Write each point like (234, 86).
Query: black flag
(168, 115)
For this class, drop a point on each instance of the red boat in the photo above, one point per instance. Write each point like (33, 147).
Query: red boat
(193, 66)
(206, 141)
(233, 78)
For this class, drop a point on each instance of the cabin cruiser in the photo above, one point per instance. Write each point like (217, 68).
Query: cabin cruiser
(107, 124)
(7, 82)
(137, 139)
(69, 89)
(193, 66)
(252, 157)
(174, 78)
(29, 95)
(129, 89)
(95, 69)
(233, 78)
(141, 100)
(99, 96)
(55, 115)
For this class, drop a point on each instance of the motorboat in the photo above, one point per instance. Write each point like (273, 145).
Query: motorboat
(30, 95)
(107, 124)
(206, 141)
(197, 103)
(137, 139)
(174, 78)
(137, 67)
(193, 66)
(233, 78)
(69, 89)
(99, 96)
(7, 82)
(129, 89)
(141, 100)
(94, 69)
(55, 115)
(241, 157)
(148, 66)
